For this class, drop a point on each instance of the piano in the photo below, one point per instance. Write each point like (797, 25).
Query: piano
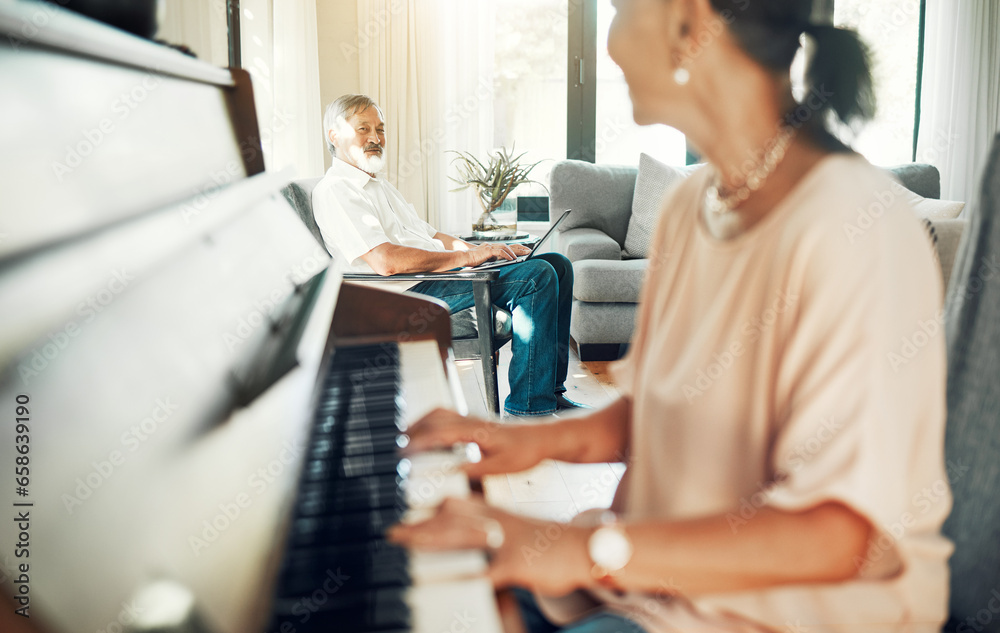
(199, 419)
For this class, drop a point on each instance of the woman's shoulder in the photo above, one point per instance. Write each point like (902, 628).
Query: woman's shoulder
(847, 202)
(852, 215)
(846, 188)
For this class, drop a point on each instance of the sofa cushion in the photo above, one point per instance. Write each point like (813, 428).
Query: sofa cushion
(602, 323)
(577, 244)
(600, 196)
(597, 280)
(651, 185)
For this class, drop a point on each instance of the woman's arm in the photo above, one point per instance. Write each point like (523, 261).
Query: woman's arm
(702, 556)
(601, 436)
(774, 547)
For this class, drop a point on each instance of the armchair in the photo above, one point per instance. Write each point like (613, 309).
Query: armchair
(477, 333)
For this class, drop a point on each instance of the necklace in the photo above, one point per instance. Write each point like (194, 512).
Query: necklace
(718, 203)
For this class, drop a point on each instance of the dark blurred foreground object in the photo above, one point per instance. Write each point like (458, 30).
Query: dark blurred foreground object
(972, 435)
(140, 17)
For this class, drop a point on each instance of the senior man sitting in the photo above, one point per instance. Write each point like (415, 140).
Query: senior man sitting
(368, 222)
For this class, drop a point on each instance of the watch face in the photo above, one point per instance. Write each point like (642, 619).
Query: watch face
(610, 548)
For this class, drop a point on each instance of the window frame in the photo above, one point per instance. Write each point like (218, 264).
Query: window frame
(233, 22)
(581, 72)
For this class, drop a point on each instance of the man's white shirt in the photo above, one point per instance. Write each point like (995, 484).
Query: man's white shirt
(355, 213)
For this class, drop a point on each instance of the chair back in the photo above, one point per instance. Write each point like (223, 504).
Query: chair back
(972, 437)
(299, 195)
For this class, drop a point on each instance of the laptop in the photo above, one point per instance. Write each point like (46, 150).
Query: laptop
(535, 249)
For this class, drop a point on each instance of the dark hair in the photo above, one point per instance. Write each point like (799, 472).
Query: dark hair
(839, 68)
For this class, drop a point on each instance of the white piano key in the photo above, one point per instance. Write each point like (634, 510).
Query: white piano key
(436, 567)
(450, 591)
(467, 605)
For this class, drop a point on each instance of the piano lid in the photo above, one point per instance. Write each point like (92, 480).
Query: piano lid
(147, 269)
(99, 126)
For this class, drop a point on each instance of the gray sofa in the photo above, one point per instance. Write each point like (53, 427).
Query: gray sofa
(607, 282)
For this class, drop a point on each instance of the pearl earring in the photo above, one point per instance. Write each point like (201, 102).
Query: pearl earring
(682, 76)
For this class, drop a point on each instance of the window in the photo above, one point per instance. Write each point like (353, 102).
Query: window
(600, 127)
(529, 102)
(617, 139)
(891, 28)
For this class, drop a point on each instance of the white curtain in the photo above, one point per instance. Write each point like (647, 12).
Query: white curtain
(199, 25)
(429, 65)
(280, 50)
(960, 104)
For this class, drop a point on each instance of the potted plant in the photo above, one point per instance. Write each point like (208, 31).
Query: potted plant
(493, 181)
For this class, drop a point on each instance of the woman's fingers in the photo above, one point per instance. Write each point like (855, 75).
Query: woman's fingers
(503, 449)
(458, 524)
(496, 464)
(549, 557)
(442, 428)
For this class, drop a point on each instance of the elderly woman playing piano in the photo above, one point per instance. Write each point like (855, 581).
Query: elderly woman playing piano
(787, 494)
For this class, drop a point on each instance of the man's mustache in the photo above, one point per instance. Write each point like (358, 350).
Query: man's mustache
(373, 147)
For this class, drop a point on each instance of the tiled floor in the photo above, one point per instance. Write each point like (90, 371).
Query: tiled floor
(552, 490)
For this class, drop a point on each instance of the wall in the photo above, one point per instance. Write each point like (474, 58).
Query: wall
(337, 22)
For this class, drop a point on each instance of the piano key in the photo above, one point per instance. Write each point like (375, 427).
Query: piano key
(381, 610)
(352, 495)
(343, 528)
(366, 574)
(368, 566)
(355, 485)
(351, 467)
(355, 442)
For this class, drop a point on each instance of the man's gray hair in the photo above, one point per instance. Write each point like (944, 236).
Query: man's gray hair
(344, 107)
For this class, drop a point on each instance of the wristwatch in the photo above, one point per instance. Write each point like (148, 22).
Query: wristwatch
(610, 550)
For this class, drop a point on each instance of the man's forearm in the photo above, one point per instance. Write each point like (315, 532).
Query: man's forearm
(392, 259)
(453, 243)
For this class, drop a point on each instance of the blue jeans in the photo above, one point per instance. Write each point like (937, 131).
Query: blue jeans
(600, 622)
(539, 295)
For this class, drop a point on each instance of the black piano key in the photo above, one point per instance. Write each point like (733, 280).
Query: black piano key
(368, 566)
(379, 611)
(352, 495)
(351, 467)
(375, 420)
(355, 442)
(361, 378)
(343, 528)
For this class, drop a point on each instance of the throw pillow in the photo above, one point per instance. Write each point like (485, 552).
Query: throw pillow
(651, 183)
(932, 209)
